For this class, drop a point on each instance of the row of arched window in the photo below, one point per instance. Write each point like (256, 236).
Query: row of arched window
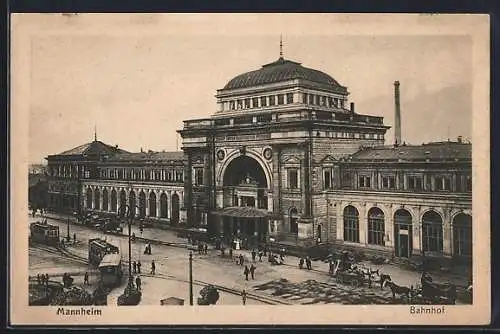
(112, 202)
(432, 230)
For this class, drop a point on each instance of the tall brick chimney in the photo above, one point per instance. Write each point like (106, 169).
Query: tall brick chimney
(397, 118)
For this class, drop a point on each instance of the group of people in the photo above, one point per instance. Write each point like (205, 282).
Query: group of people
(42, 279)
(250, 271)
(136, 267)
(147, 250)
(308, 262)
(202, 248)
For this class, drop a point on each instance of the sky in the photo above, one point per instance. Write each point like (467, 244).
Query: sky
(136, 89)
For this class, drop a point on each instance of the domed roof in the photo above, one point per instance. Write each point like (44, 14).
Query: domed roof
(282, 70)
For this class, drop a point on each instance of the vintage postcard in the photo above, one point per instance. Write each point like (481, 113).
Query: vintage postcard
(249, 169)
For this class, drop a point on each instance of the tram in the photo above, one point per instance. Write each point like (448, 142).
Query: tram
(111, 270)
(42, 232)
(98, 248)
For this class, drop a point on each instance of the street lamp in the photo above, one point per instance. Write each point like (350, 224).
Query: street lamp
(127, 212)
(191, 278)
(68, 237)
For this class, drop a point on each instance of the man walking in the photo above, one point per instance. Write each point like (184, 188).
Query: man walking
(74, 238)
(86, 279)
(241, 260)
(153, 267)
(252, 271)
(246, 272)
(134, 267)
(254, 254)
(206, 248)
(260, 255)
(244, 297)
(139, 266)
(138, 283)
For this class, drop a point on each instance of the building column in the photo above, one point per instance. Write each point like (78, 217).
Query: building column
(417, 232)
(169, 204)
(84, 195)
(340, 222)
(363, 225)
(158, 204)
(93, 198)
(147, 202)
(447, 233)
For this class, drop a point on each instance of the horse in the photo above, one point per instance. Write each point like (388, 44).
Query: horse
(399, 290)
(383, 278)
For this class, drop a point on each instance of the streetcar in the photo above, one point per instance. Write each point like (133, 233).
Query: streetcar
(111, 270)
(98, 248)
(42, 232)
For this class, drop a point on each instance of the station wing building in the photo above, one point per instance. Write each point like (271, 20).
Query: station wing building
(97, 177)
(287, 158)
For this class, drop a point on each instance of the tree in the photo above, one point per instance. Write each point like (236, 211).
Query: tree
(208, 295)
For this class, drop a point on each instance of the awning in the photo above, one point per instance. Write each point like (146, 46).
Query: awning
(242, 212)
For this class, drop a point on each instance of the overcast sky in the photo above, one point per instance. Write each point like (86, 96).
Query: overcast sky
(138, 88)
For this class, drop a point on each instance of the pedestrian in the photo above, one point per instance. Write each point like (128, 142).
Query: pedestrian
(241, 259)
(86, 279)
(254, 254)
(149, 249)
(138, 283)
(246, 272)
(139, 267)
(231, 252)
(265, 250)
(244, 297)
(252, 271)
(153, 267)
(38, 279)
(260, 255)
(199, 248)
(74, 237)
(62, 243)
(134, 267)
(206, 248)
(308, 263)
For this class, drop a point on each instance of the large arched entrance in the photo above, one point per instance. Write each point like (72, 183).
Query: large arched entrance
(462, 235)
(403, 233)
(245, 201)
(432, 232)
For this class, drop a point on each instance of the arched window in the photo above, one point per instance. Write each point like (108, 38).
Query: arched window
(113, 200)
(142, 204)
(89, 198)
(403, 233)
(351, 224)
(462, 235)
(163, 205)
(123, 202)
(131, 202)
(174, 219)
(432, 232)
(376, 226)
(294, 217)
(97, 199)
(105, 199)
(152, 204)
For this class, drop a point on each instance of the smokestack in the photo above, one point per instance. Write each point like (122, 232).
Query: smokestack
(352, 107)
(397, 118)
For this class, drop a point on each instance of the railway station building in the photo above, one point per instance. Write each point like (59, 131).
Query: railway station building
(286, 158)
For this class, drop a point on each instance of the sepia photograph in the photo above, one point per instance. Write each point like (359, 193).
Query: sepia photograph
(251, 168)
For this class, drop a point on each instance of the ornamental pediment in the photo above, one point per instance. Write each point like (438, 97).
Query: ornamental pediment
(328, 160)
(291, 160)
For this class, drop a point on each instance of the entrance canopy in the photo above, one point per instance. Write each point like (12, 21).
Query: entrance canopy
(242, 212)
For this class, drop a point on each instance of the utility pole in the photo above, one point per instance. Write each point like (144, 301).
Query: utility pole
(191, 278)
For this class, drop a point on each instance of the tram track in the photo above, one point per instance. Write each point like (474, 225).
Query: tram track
(79, 259)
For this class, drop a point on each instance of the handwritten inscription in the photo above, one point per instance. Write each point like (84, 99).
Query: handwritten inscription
(426, 309)
(64, 311)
